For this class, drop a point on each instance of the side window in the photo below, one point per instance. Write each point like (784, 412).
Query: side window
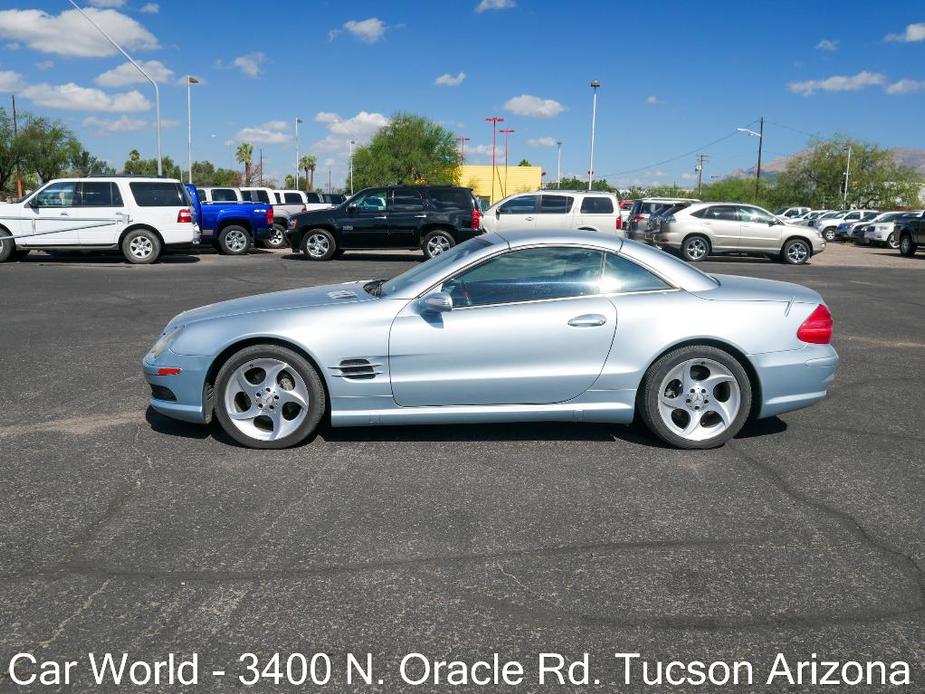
(256, 196)
(725, 213)
(407, 200)
(556, 204)
(57, 195)
(533, 274)
(753, 214)
(450, 198)
(313, 197)
(292, 198)
(159, 194)
(597, 206)
(522, 204)
(372, 201)
(622, 275)
(223, 195)
(99, 194)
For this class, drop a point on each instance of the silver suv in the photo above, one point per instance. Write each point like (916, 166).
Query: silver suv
(706, 228)
(643, 209)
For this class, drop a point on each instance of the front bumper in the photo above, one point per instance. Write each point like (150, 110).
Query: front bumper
(794, 379)
(187, 388)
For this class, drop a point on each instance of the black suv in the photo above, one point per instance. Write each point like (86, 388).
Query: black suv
(432, 218)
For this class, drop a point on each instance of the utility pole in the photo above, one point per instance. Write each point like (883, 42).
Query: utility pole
(15, 133)
(594, 86)
(297, 157)
(506, 131)
(847, 170)
(758, 168)
(190, 81)
(494, 120)
(330, 190)
(558, 163)
(701, 158)
(462, 147)
(261, 166)
(352, 143)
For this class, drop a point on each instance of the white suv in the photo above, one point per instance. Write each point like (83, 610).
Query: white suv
(555, 209)
(140, 216)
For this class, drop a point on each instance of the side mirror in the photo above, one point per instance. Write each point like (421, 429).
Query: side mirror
(437, 301)
(351, 209)
(498, 213)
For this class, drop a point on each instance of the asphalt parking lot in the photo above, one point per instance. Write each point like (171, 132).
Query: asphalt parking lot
(121, 530)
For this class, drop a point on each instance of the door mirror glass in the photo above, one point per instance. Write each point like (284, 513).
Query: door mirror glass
(437, 301)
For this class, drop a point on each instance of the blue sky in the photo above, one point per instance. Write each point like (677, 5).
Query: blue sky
(675, 76)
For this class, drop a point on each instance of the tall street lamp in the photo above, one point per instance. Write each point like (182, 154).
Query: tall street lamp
(558, 163)
(157, 92)
(847, 171)
(462, 147)
(494, 120)
(297, 121)
(760, 136)
(506, 132)
(594, 86)
(190, 81)
(352, 143)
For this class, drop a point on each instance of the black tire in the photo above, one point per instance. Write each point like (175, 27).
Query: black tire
(7, 246)
(338, 253)
(141, 247)
(695, 248)
(316, 393)
(891, 241)
(276, 239)
(796, 252)
(649, 395)
(907, 247)
(829, 234)
(436, 242)
(318, 244)
(234, 240)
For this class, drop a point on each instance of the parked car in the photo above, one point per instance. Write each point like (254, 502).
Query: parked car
(706, 228)
(639, 214)
(309, 200)
(231, 227)
(790, 213)
(851, 221)
(654, 222)
(828, 223)
(218, 194)
(141, 216)
(881, 231)
(430, 218)
(274, 238)
(626, 206)
(282, 211)
(333, 199)
(911, 232)
(809, 218)
(555, 210)
(520, 326)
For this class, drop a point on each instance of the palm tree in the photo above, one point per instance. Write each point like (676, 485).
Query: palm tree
(245, 155)
(308, 163)
(134, 155)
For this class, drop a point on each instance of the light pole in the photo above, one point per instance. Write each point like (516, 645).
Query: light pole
(297, 121)
(462, 147)
(558, 163)
(506, 131)
(352, 143)
(157, 92)
(847, 170)
(760, 136)
(190, 81)
(594, 85)
(494, 120)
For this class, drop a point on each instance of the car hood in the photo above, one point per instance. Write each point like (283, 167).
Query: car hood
(737, 288)
(345, 293)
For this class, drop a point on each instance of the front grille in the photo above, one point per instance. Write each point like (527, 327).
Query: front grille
(162, 393)
(357, 369)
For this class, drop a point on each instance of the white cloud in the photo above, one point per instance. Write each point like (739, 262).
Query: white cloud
(486, 5)
(45, 64)
(170, 123)
(827, 45)
(250, 63)
(448, 80)
(906, 86)
(838, 83)
(542, 142)
(275, 125)
(534, 106)
(69, 33)
(123, 124)
(652, 100)
(10, 81)
(359, 128)
(127, 74)
(150, 8)
(115, 4)
(913, 32)
(272, 132)
(72, 97)
(367, 30)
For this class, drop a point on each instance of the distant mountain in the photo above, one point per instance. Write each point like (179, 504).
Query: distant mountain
(913, 158)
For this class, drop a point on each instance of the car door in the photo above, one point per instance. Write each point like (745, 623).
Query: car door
(528, 326)
(555, 212)
(761, 231)
(723, 227)
(406, 215)
(52, 216)
(366, 224)
(597, 212)
(100, 200)
(517, 213)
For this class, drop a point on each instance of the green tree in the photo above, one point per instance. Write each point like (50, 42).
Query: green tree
(308, 164)
(572, 183)
(524, 162)
(85, 164)
(736, 189)
(148, 167)
(289, 182)
(48, 147)
(11, 149)
(409, 150)
(245, 155)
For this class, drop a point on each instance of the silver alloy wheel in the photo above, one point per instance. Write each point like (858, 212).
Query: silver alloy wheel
(438, 244)
(829, 234)
(797, 252)
(236, 241)
(266, 399)
(699, 399)
(891, 241)
(141, 247)
(276, 237)
(696, 248)
(317, 245)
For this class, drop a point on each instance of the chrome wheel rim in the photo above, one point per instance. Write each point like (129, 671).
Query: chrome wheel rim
(317, 245)
(437, 245)
(797, 252)
(829, 234)
(266, 399)
(905, 245)
(891, 241)
(140, 247)
(699, 399)
(236, 241)
(276, 237)
(696, 249)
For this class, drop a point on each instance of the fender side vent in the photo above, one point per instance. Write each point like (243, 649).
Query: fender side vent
(343, 294)
(357, 369)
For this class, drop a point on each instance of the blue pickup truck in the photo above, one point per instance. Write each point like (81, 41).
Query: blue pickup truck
(232, 227)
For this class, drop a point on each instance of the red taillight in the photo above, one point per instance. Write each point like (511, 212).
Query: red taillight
(817, 329)
(169, 371)
(476, 218)
(269, 215)
(304, 208)
(619, 221)
(184, 217)
(638, 218)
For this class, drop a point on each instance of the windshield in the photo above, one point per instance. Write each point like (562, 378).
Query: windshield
(397, 286)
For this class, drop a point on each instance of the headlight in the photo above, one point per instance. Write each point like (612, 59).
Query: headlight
(165, 340)
(293, 223)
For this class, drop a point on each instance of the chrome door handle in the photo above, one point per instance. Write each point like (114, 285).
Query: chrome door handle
(382, 217)
(588, 320)
(420, 216)
(65, 214)
(529, 219)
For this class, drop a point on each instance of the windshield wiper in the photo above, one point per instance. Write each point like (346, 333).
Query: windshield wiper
(375, 287)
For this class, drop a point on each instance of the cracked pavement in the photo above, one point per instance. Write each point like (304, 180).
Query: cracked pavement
(122, 530)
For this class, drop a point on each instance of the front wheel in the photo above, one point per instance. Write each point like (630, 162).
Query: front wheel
(695, 248)
(234, 240)
(267, 396)
(7, 246)
(796, 252)
(907, 246)
(318, 244)
(141, 247)
(276, 238)
(891, 241)
(695, 397)
(437, 242)
(829, 234)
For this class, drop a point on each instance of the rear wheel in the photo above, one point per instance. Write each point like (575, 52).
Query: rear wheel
(234, 240)
(267, 396)
(276, 238)
(695, 248)
(141, 247)
(318, 244)
(796, 252)
(437, 242)
(7, 246)
(695, 397)
(907, 246)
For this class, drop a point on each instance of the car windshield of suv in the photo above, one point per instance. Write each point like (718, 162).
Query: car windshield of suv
(398, 286)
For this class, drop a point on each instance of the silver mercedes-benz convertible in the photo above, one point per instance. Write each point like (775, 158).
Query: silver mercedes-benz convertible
(520, 326)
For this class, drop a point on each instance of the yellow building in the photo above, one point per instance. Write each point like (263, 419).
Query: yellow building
(510, 180)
